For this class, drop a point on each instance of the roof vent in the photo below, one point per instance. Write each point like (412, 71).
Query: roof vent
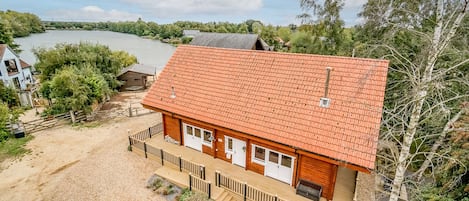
(324, 101)
(173, 94)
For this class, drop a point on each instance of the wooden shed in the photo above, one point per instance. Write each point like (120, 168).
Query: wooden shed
(287, 116)
(135, 76)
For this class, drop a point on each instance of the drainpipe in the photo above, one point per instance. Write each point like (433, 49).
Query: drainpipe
(355, 190)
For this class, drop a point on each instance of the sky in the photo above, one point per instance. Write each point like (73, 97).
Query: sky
(275, 12)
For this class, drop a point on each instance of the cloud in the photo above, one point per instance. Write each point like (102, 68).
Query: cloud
(92, 13)
(172, 8)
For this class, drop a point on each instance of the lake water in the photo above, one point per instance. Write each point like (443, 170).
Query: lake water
(149, 52)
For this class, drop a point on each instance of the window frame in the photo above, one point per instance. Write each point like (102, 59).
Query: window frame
(227, 150)
(202, 133)
(253, 154)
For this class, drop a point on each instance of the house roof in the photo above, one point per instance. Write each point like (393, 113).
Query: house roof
(276, 96)
(24, 64)
(227, 40)
(139, 68)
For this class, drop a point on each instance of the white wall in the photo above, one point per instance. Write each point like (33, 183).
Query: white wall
(21, 75)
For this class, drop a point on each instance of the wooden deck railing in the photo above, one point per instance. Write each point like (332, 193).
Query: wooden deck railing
(148, 133)
(200, 185)
(243, 189)
(138, 141)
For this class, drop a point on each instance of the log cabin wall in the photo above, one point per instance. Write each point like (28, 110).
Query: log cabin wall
(319, 172)
(172, 128)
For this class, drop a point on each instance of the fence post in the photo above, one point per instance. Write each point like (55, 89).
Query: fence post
(145, 149)
(180, 163)
(149, 131)
(245, 191)
(190, 181)
(130, 144)
(202, 172)
(209, 190)
(276, 198)
(217, 178)
(162, 160)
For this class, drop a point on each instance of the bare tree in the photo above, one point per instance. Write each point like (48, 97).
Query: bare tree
(448, 18)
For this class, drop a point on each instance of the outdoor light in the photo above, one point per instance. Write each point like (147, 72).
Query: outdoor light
(173, 94)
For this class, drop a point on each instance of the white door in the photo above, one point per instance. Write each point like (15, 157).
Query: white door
(239, 152)
(279, 166)
(192, 137)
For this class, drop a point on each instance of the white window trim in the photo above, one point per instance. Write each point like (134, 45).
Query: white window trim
(253, 155)
(202, 133)
(209, 144)
(226, 145)
(266, 151)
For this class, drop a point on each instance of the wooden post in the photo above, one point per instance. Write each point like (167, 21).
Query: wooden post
(162, 160)
(209, 190)
(245, 191)
(180, 164)
(149, 131)
(190, 181)
(130, 143)
(145, 149)
(72, 115)
(202, 172)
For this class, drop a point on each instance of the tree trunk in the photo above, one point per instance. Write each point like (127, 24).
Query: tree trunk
(437, 144)
(438, 44)
(418, 101)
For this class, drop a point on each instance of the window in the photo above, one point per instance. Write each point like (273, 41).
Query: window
(201, 135)
(11, 66)
(258, 155)
(16, 82)
(189, 130)
(197, 132)
(208, 137)
(229, 144)
(273, 157)
(286, 161)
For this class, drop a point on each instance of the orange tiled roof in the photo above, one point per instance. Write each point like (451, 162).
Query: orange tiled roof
(276, 96)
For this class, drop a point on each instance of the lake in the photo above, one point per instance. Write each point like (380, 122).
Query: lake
(147, 51)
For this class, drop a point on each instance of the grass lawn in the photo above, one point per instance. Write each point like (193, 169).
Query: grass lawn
(14, 147)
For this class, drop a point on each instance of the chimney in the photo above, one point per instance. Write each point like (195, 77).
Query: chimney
(325, 101)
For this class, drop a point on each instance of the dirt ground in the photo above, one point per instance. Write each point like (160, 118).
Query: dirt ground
(86, 162)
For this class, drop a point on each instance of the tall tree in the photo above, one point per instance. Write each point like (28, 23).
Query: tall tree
(428, 77)
(328, 27)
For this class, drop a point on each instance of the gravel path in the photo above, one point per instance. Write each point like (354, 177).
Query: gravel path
(71, 163)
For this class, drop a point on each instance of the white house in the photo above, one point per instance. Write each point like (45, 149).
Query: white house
(16, 73)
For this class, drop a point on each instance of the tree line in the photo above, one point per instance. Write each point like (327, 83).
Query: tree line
(16, 24)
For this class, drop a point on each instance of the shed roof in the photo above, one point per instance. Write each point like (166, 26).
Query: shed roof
(139, 68)
(228, 40)
(276, 96)
(24, 64)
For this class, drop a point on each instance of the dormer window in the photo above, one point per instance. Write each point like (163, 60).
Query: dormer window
(11, 66)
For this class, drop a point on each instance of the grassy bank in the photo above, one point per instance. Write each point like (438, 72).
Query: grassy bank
(14, 147)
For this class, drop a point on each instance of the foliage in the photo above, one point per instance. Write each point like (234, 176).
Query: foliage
(427, 83)
(4, 119)
(328, 31)
(74, 76)
(14, 147)
(452, 176)
(9, 96)
(22, 24)
(188, 195)
(6, 35)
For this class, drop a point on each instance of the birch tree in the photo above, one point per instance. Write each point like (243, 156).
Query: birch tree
(420, 39)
